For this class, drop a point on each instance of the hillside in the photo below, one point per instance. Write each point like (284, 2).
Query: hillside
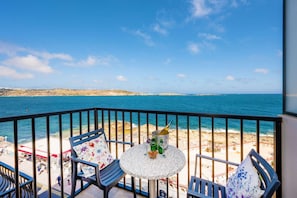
(64, 92)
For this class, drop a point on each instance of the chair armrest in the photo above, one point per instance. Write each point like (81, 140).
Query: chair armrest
(22, 186)
(216, 159)
(26, 177)
(25, 181)
(120, 142)
(91, 164)
(77, 160)
(211, 159)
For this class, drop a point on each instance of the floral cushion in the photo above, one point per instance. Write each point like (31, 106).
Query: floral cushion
(95, 151)
(244, 182)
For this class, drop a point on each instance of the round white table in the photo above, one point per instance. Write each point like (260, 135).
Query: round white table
(137, 163)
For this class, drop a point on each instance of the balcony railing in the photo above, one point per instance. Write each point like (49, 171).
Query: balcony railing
(228, 137)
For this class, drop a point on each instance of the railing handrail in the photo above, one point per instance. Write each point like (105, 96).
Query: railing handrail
(229, 116)
(23, 117)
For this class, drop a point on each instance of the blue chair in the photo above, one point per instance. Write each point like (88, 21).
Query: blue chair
(106, 178)
(7, 182)
(207, 189)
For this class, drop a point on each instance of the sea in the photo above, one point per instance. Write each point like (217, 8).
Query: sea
(234, 104)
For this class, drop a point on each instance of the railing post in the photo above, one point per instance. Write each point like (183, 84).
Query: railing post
(96, 118)
(47, 124)
(34, 155)
(16, 158)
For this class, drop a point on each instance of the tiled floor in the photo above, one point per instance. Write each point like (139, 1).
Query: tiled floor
(115, 192)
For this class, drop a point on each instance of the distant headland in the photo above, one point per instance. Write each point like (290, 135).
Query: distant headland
(64, 92)
(72, 92)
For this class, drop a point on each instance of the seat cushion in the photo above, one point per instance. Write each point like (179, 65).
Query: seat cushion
(95, 151)
(245, 181)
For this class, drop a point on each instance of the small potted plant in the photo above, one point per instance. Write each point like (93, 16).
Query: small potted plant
(153, 149)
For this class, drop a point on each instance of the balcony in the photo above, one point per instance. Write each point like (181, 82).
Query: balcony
(42, 146)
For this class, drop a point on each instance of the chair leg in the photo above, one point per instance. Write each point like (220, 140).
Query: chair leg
(73, 180)
(73, 186)
(106, 193)
(133, 187)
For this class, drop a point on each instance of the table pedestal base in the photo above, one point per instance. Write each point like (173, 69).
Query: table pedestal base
(152, 188)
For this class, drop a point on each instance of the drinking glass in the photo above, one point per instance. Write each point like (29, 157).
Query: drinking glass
(161, 146)
(146, 144)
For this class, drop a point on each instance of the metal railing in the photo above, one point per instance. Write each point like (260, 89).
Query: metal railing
(229, 137)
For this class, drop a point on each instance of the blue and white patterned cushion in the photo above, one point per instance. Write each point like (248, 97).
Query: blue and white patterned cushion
(244, 183)
(95, 151)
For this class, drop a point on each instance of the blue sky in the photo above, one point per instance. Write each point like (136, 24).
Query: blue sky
(183, 46)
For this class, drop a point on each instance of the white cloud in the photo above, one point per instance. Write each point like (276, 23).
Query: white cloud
(181, 75)
(12, 50)
(121, 78)
(89, 61)
(48, 56)
(193, 48)
(92, 60)
(11, 73)
(29, 62)
(9, 49)
(146, 38)
(142, 35)
(230, 77)
(205, 8)
(207, 45)
(261, 70)
(157, 28)
(196, 48)
(107, 60)
(217, 26)
(166, 18)
(200, 9)
(209, 36)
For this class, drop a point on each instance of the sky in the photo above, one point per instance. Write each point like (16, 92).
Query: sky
(151, 46)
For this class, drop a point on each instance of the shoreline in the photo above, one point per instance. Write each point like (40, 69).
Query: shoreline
(127, 126)
(6, 92)
(23, 92)
(144, 128)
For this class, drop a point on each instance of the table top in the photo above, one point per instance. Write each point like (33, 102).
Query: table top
(137, 163)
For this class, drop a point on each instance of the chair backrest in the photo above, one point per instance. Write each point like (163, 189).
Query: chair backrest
(268, 177)
(77, 140)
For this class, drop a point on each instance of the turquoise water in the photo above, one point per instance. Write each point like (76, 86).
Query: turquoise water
(239, 104)
(235, 104)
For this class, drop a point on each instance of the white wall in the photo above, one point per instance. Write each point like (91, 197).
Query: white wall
(290, 56)
(289, 125)
(289, 156)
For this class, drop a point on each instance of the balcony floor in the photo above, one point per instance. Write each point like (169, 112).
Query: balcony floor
(93, 191)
